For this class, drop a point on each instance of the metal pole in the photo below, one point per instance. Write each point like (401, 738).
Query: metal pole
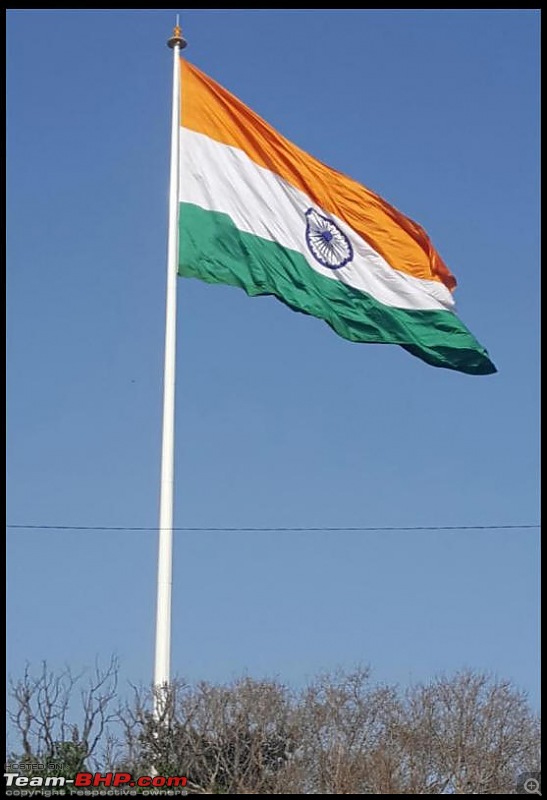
(165, 550)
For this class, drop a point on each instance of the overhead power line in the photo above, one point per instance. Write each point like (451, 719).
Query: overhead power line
(278, 529)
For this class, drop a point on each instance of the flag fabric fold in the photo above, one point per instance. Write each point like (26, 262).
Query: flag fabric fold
(256, 211)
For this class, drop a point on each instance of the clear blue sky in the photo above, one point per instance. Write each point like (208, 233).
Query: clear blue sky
(279, 421)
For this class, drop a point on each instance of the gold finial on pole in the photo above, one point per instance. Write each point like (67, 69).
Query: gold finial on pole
(177, 39)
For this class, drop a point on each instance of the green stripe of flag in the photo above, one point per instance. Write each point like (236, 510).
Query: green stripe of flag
(213, 249)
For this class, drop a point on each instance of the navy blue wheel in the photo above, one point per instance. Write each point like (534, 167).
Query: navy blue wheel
(326, 242)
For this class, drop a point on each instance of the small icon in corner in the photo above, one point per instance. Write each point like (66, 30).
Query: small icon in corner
(529, 783)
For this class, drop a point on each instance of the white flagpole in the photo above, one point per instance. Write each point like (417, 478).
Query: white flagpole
(165, 550)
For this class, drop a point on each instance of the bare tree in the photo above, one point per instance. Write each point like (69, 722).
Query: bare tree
(348, 735)
(343, 733)
(232, 739)
(51, 727)
(470, 734)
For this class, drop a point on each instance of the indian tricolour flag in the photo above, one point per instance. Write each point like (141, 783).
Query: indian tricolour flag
(258, 212)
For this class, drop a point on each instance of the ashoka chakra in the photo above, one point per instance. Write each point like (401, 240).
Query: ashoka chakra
(326, 242)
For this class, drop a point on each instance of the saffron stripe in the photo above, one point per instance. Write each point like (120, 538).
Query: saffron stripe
(208, 108)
